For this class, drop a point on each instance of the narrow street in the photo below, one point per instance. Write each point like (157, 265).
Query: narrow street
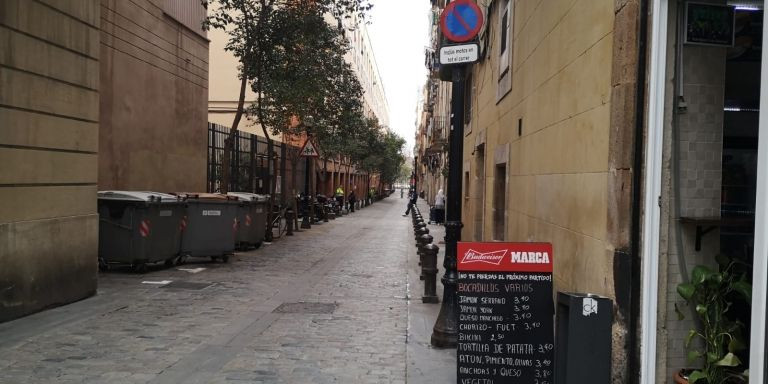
(340, 303)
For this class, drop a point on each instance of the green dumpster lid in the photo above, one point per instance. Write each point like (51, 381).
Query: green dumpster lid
(136, 196)
(247, 196)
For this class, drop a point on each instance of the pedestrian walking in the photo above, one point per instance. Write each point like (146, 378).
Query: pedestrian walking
(413, 197)
(339, 195)
(401, 192)
(352, 200)
(438, 211)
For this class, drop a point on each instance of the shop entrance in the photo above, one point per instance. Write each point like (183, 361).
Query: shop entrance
(710, 230)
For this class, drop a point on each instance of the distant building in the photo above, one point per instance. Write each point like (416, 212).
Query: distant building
(363, 61)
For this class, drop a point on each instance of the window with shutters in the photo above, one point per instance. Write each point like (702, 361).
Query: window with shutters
(505, 28)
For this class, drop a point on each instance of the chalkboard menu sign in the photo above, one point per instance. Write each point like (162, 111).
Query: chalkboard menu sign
(709, 24)
(506, 312)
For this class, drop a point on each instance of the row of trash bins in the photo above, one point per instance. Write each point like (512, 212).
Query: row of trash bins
(138, 228)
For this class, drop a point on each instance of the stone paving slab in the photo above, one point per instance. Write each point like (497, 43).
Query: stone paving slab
(229, 332)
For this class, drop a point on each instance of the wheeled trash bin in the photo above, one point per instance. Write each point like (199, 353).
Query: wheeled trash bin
(209, 226)
(251, 219)
(138, 228)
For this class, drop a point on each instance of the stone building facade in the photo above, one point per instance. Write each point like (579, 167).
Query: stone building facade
(549, 138)
(49, 130)
(154, 95)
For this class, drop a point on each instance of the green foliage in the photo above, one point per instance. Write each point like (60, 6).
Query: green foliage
(404, 176)
(293, 60)
(712, 293)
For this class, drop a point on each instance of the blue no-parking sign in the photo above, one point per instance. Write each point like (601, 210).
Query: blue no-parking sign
(461, 20)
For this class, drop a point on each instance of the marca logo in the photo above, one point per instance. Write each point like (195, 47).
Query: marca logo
(530, 257)
(494, 257)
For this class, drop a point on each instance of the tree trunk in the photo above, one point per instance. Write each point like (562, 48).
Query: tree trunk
(230, 140)
(348, 186)
(368, 188)
(292, 202)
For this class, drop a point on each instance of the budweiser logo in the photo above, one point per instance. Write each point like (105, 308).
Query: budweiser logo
(494, 257)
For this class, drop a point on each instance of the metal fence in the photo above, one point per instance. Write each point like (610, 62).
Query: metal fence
(252, 168)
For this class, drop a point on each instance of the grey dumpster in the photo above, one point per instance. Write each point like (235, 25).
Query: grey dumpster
(209, 226)
(251, 218)
(137, 228)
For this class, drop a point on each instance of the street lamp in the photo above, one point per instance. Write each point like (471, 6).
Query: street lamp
(308, 122)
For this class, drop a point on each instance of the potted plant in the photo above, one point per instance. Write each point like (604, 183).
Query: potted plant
(712, 293)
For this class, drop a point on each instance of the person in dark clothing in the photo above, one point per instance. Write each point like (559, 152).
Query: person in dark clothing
(413, 197)
(352, 200)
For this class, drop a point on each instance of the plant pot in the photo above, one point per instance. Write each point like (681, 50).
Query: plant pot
(681, 376)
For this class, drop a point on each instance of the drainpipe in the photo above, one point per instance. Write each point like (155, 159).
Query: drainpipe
(633, 346)
(651, 180)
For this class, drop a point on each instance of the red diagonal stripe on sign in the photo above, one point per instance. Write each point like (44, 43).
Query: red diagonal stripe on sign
(461, 20)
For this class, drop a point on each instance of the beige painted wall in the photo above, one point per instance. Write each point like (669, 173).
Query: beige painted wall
(154, 95)
(225, 86)
(558, 167)
(49, 127)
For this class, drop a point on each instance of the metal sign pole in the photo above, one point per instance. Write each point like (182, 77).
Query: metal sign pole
(445, 329)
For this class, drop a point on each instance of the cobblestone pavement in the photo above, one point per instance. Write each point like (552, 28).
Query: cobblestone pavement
(352, 320)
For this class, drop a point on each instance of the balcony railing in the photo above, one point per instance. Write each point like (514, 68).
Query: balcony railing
(439, 128)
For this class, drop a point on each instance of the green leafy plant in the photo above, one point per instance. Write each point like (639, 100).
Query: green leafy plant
(712, 293)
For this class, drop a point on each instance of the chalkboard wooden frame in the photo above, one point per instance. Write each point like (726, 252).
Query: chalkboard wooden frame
(699, 32)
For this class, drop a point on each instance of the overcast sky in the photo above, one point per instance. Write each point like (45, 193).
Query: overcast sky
(399, 32)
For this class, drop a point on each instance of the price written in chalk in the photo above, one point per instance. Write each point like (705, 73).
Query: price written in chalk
(505, 315)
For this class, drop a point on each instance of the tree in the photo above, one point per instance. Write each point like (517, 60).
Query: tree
(378, 151)
(264, 32)
(292, 59)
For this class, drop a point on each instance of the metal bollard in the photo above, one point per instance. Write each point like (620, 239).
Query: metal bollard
(421, 246)
(429, 270)
(418, 232)
(289, 222)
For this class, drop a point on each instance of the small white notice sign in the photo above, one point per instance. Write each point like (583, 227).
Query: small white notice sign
(459, 54)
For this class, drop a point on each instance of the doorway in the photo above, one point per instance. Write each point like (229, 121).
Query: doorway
(712, 189)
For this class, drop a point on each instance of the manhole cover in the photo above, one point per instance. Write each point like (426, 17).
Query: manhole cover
(186, 285)
(310, 308)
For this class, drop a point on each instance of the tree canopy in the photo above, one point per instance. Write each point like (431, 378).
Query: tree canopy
(293, 59)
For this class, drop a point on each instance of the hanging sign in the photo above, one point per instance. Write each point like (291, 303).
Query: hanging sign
(506, 313)
(459, 54)
(709, 24)
(461, 21)
(309, 150)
